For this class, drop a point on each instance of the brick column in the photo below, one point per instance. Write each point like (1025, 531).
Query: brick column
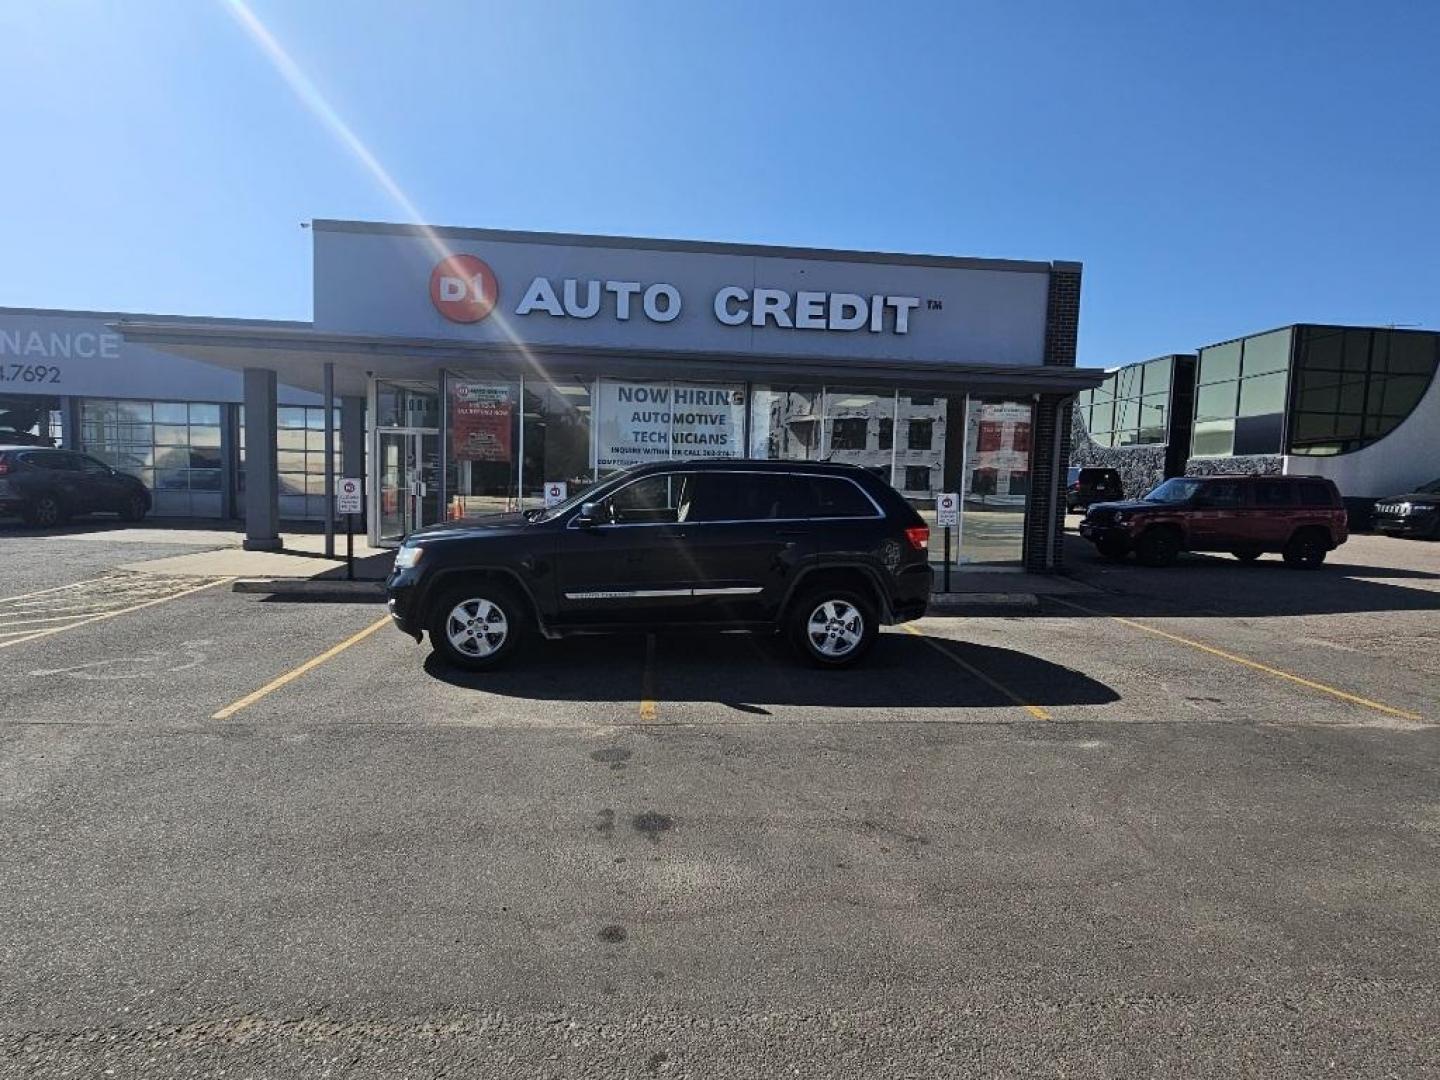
(1050, 442)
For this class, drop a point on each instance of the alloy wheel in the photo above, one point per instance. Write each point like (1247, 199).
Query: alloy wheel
(477, 628)
(835, 628)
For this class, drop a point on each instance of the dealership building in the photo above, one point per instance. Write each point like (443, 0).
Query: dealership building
(475, 370)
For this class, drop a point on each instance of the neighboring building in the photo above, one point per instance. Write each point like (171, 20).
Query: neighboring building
(68, 377)
(1359, 405)
(1138, 421)
(476, 369)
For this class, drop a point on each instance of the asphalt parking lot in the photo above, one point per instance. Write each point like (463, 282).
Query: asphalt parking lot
(1184, 824)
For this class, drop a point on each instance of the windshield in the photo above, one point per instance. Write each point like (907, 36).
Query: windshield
(1176, 490)
(585, 493)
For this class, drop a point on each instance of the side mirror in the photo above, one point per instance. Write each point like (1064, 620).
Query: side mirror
(588, 515)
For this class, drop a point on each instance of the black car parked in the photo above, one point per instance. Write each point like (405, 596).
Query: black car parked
(1416, 513)
(1089, 484)
(824, 553)
(48, 487)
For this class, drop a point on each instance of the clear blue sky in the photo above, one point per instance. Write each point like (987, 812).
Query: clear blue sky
(1219, 168)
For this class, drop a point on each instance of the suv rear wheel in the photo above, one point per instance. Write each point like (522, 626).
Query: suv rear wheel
(1158, 547)
(833, 627)
(133, 508)
(479, 626)
(45, 511)
(1306, 549)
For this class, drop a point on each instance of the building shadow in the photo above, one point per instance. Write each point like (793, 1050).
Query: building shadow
(750, 673)
(1206, 585)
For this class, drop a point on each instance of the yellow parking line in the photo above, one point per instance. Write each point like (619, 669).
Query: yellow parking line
(1034, 710)
(648, 709)
(1354, 699)
(111, 614)
(295, 673)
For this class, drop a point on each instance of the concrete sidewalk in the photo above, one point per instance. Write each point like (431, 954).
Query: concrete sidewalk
(302, 559)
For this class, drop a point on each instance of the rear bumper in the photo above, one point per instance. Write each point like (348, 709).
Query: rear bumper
(911, 593)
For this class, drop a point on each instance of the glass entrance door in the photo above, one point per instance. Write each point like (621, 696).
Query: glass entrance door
(409, 481)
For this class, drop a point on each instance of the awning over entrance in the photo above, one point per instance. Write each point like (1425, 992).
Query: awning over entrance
(300, 356)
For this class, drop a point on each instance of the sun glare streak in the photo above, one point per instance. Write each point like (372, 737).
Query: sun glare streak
(311, 97)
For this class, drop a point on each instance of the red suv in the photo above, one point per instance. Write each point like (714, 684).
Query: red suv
(1301, 517)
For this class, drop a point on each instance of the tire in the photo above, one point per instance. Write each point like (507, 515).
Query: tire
(1306, 550)
(45, 512)
(833, 627)
(1158, 547)
(133, 508)
(1113, 551)
(485, 600)
(1247, 554)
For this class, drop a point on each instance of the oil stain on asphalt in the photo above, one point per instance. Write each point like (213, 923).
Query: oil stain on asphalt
(651, 825)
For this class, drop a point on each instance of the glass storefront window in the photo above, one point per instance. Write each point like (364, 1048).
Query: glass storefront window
(785, 423)
(1267, 353)
(1262, 395)
(637, 422)
(1213, 438)
(996, 481)
(850, 433)
(299, 462)
(178, 461)
(1215, 400)
(483, 459)
(558, 438)
(1220, 363)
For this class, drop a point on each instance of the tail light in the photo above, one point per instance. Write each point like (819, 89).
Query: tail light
(4, 465)
(919, 536)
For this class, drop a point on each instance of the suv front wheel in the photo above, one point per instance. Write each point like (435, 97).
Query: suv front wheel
(833, 628)
(477, 627)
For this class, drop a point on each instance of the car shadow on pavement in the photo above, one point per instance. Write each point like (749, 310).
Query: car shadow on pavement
(748, 672)
(1206, 585)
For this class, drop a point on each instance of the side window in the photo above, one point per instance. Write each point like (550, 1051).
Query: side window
(1313, 494)
(91, 467)
(833, 497)
(56, 460)
(660, 499)
(1223, 494)
(1274, 493)
(721, 496)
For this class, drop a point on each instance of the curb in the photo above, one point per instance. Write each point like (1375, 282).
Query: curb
(312, 587)
(957, 603)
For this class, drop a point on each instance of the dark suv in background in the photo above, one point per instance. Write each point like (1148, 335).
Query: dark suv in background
(1301, 517)
(1416, 513)
(1089, 484)
(48, 487)
(823, 553)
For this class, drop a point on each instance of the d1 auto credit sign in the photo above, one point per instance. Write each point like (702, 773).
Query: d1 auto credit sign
(642, 422)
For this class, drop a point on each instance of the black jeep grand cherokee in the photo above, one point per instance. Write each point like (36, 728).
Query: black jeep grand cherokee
(824, 553)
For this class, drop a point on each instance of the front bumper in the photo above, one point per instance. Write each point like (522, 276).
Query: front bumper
(1104, 534)
(400, 589)
(1406, 524)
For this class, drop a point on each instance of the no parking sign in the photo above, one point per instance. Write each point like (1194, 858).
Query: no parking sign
(347, 495)
(554, 493)
(947, 509)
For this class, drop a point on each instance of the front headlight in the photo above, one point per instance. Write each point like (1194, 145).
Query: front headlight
(1121, 517)
(407, 557)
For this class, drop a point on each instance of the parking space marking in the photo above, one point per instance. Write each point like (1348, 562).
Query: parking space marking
(1255, 665)
(53, 589)
(295, 673)
(101, 608)
(1034, 710)
(649, 711)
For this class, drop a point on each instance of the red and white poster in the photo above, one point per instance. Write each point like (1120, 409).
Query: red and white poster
(481, 421)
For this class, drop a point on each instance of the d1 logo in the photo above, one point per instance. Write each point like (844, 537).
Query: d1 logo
(463, 288)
